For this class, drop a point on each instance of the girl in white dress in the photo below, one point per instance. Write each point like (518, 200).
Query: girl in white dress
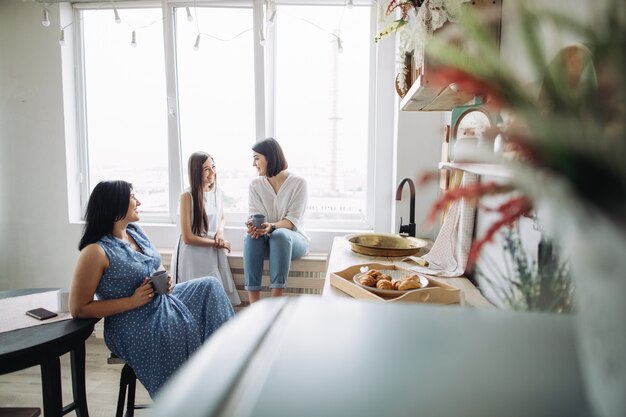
(202, 250)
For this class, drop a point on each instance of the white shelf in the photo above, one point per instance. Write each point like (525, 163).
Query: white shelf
(490, 170)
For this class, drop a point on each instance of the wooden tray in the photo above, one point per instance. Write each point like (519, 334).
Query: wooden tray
(437, 292)
(385, 244)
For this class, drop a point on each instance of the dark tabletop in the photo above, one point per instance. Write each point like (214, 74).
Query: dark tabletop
(23, 348)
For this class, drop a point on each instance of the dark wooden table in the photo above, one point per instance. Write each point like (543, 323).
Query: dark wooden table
(43, 345)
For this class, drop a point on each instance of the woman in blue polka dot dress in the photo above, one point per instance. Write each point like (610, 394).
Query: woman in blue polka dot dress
(153, 333)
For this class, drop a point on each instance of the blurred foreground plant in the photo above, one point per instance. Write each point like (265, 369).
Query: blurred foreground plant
(525, 283)
(570, 138)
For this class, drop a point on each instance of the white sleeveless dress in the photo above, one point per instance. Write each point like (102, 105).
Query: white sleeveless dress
(191, 261)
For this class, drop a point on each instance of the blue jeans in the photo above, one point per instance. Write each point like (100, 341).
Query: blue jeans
(280, 248)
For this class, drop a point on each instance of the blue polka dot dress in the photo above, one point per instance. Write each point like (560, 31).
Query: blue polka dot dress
(157, 338)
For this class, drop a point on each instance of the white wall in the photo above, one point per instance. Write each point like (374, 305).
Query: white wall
(5, 169)
(418, 150)
(37, 243)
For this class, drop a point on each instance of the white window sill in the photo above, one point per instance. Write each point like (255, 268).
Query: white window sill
(164, 236)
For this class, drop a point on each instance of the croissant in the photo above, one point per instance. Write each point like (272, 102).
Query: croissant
(384, 284)
(409, 284)
(367, 280)
(374, 273)
(411, 277)
(396, 283)
(383, 277)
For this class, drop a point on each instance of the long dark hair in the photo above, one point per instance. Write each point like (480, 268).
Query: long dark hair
(107, 204)
(199, 221)
(274, 155)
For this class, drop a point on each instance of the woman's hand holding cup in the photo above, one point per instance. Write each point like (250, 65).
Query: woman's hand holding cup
(257, 226)
(143, 294)
(258, 220)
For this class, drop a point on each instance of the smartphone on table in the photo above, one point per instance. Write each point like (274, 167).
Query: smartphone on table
(41, 313)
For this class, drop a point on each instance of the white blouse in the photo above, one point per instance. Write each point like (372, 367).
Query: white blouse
(288, 203)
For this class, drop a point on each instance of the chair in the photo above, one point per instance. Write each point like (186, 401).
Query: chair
(128, 385)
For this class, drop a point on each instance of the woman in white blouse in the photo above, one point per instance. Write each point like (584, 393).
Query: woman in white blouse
(281, 197)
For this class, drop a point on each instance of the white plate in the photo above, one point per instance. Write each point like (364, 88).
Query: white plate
(395, 274)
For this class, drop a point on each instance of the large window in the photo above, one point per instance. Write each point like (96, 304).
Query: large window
(321, 109)
(125, 104)
(300, 73)
(216, 94)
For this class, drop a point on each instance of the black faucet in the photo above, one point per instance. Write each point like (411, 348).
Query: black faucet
(407, 228)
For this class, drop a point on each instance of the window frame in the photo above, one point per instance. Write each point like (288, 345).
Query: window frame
(380, 132)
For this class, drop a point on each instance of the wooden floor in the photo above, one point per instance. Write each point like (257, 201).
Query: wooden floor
(23, 388)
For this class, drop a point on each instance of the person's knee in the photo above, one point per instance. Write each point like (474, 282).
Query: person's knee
(282, 236)
(251, 245)
(209, 281)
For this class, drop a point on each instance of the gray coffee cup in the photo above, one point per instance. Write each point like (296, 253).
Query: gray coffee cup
(258, 220)
(159, 281)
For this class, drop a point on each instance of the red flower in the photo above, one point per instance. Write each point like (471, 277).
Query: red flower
(471, 192)
(510, 211)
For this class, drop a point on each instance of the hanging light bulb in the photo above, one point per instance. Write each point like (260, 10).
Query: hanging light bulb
(189, 16)
(133, 41)
(117, 15)
(45, 20)
(349, 4)
(339, 45)
(271, 10)
(62, 37)
(196, 45)
(272, 17)
(261, 37)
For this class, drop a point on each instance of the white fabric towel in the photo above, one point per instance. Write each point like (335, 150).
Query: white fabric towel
(448, 256)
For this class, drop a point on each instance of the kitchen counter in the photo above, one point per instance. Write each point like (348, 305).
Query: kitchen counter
(341, 257)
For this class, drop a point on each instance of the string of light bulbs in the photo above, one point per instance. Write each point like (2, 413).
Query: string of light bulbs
(45, 21)
(271, 10)
(270, 15)
(349, 4)
(196, 45)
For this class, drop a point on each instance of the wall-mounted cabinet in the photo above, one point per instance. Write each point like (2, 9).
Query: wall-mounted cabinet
(424, 95)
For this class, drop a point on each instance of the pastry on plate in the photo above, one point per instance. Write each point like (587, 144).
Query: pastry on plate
(409, 284)
(411, 277)
(367, 280)
(384, 284)
(383, 277)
